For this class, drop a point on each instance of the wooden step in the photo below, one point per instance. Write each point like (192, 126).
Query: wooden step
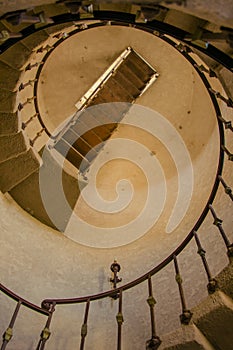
(72, 155)
(141, 64)
(131, 75)
(80, 144)
(89, 136)
(10, 77)
(100, 130)
(103, 117)
(8, 101)
(16, 56)
(127, 84)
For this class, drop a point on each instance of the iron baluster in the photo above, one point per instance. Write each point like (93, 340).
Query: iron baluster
(155, 341)
(45, 334)
(227, 123)
(30, 66)
(62, 35)
(209, 71)
(8, 334)
(212, 285)
(28, 100)
(218, 222)
(228, 101)
(186, 315)
(47, 48)
(183, 48)
(32, 142)
(24, 124)
(84, 325)
(120, 320)
(229, 154)
(227, 189)
(30, 82)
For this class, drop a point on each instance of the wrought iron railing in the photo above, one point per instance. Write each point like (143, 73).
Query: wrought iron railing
(48, 305)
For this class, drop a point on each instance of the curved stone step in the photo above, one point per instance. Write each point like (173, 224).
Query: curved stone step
(211, 325)
(34, 40)
(15, 170)
(226, 78)
(27, 193)
(9, 123)
(10, 77)
(16, 56)
(225, 279)
(12, 145)
(8, 100)
(185, 338)
(214, 317)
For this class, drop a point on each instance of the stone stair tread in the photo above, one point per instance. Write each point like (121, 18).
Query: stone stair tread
(15, 170)
(127, 84)
(57, 28)
(225, 279)
(16, 56)
(12, 145)
(22, 193)
(214, 317)
(102, 117)
(9, 123)
(131, 75)
(187, 337)
(10, 77)
(34, 40)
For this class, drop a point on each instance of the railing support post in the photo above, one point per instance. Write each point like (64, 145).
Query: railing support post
(120, 320)
(212, 285)
(155, 341)
(8, 334)
(45, 334)
(84, 326)
(218, 222)
(186, 315)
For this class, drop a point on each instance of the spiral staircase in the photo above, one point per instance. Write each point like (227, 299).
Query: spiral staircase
(42, 266)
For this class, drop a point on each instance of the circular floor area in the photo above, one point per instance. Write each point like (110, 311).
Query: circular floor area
(150, 183)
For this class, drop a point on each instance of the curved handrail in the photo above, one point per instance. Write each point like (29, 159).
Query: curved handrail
(213, 53)
(23, 301)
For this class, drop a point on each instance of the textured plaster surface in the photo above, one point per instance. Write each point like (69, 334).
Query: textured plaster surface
(38, 262)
